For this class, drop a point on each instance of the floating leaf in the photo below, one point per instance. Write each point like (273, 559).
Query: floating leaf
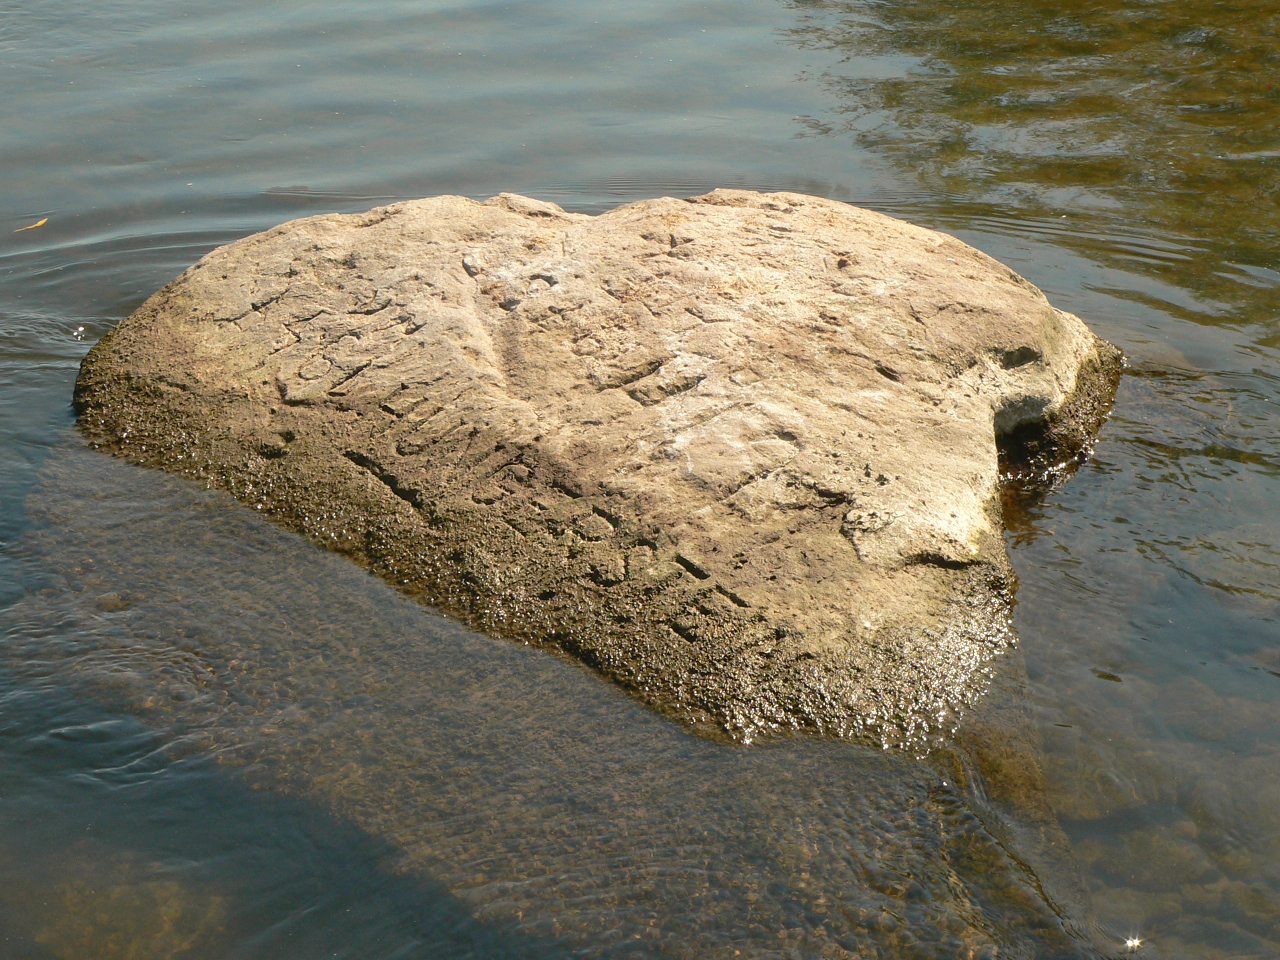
(32, 226)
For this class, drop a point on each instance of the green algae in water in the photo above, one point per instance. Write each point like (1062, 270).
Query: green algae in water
(109, 904)
(1160, 119)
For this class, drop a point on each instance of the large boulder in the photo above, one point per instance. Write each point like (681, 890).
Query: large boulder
(739, 453)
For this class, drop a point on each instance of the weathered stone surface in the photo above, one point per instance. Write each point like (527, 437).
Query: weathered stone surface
(737, 452)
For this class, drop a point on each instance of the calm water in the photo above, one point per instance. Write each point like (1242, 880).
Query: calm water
(217, 741)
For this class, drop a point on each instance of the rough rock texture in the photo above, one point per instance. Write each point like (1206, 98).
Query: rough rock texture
(737, 452)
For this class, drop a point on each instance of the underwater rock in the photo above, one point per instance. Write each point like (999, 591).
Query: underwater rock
(739, 453)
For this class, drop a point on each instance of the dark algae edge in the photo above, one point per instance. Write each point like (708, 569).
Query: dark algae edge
(1035, 456)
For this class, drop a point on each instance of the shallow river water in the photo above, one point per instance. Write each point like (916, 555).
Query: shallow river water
(218, 741)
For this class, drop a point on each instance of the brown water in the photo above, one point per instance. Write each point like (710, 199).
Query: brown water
(1152, 128)
(218, 741)
(1141, 143)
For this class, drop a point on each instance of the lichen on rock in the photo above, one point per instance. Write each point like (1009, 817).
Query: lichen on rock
(739, 453)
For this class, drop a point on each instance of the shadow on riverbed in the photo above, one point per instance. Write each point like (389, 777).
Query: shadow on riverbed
(499, 789)
(134, 850)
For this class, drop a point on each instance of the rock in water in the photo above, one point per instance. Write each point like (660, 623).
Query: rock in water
(736, 452)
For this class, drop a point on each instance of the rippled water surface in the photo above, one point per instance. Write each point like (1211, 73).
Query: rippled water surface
(218, 741)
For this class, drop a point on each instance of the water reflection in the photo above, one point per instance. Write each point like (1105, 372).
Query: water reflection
(1127, 158)
(1159, 122)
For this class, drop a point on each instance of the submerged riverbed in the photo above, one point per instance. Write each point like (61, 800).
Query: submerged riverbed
(220, 741)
